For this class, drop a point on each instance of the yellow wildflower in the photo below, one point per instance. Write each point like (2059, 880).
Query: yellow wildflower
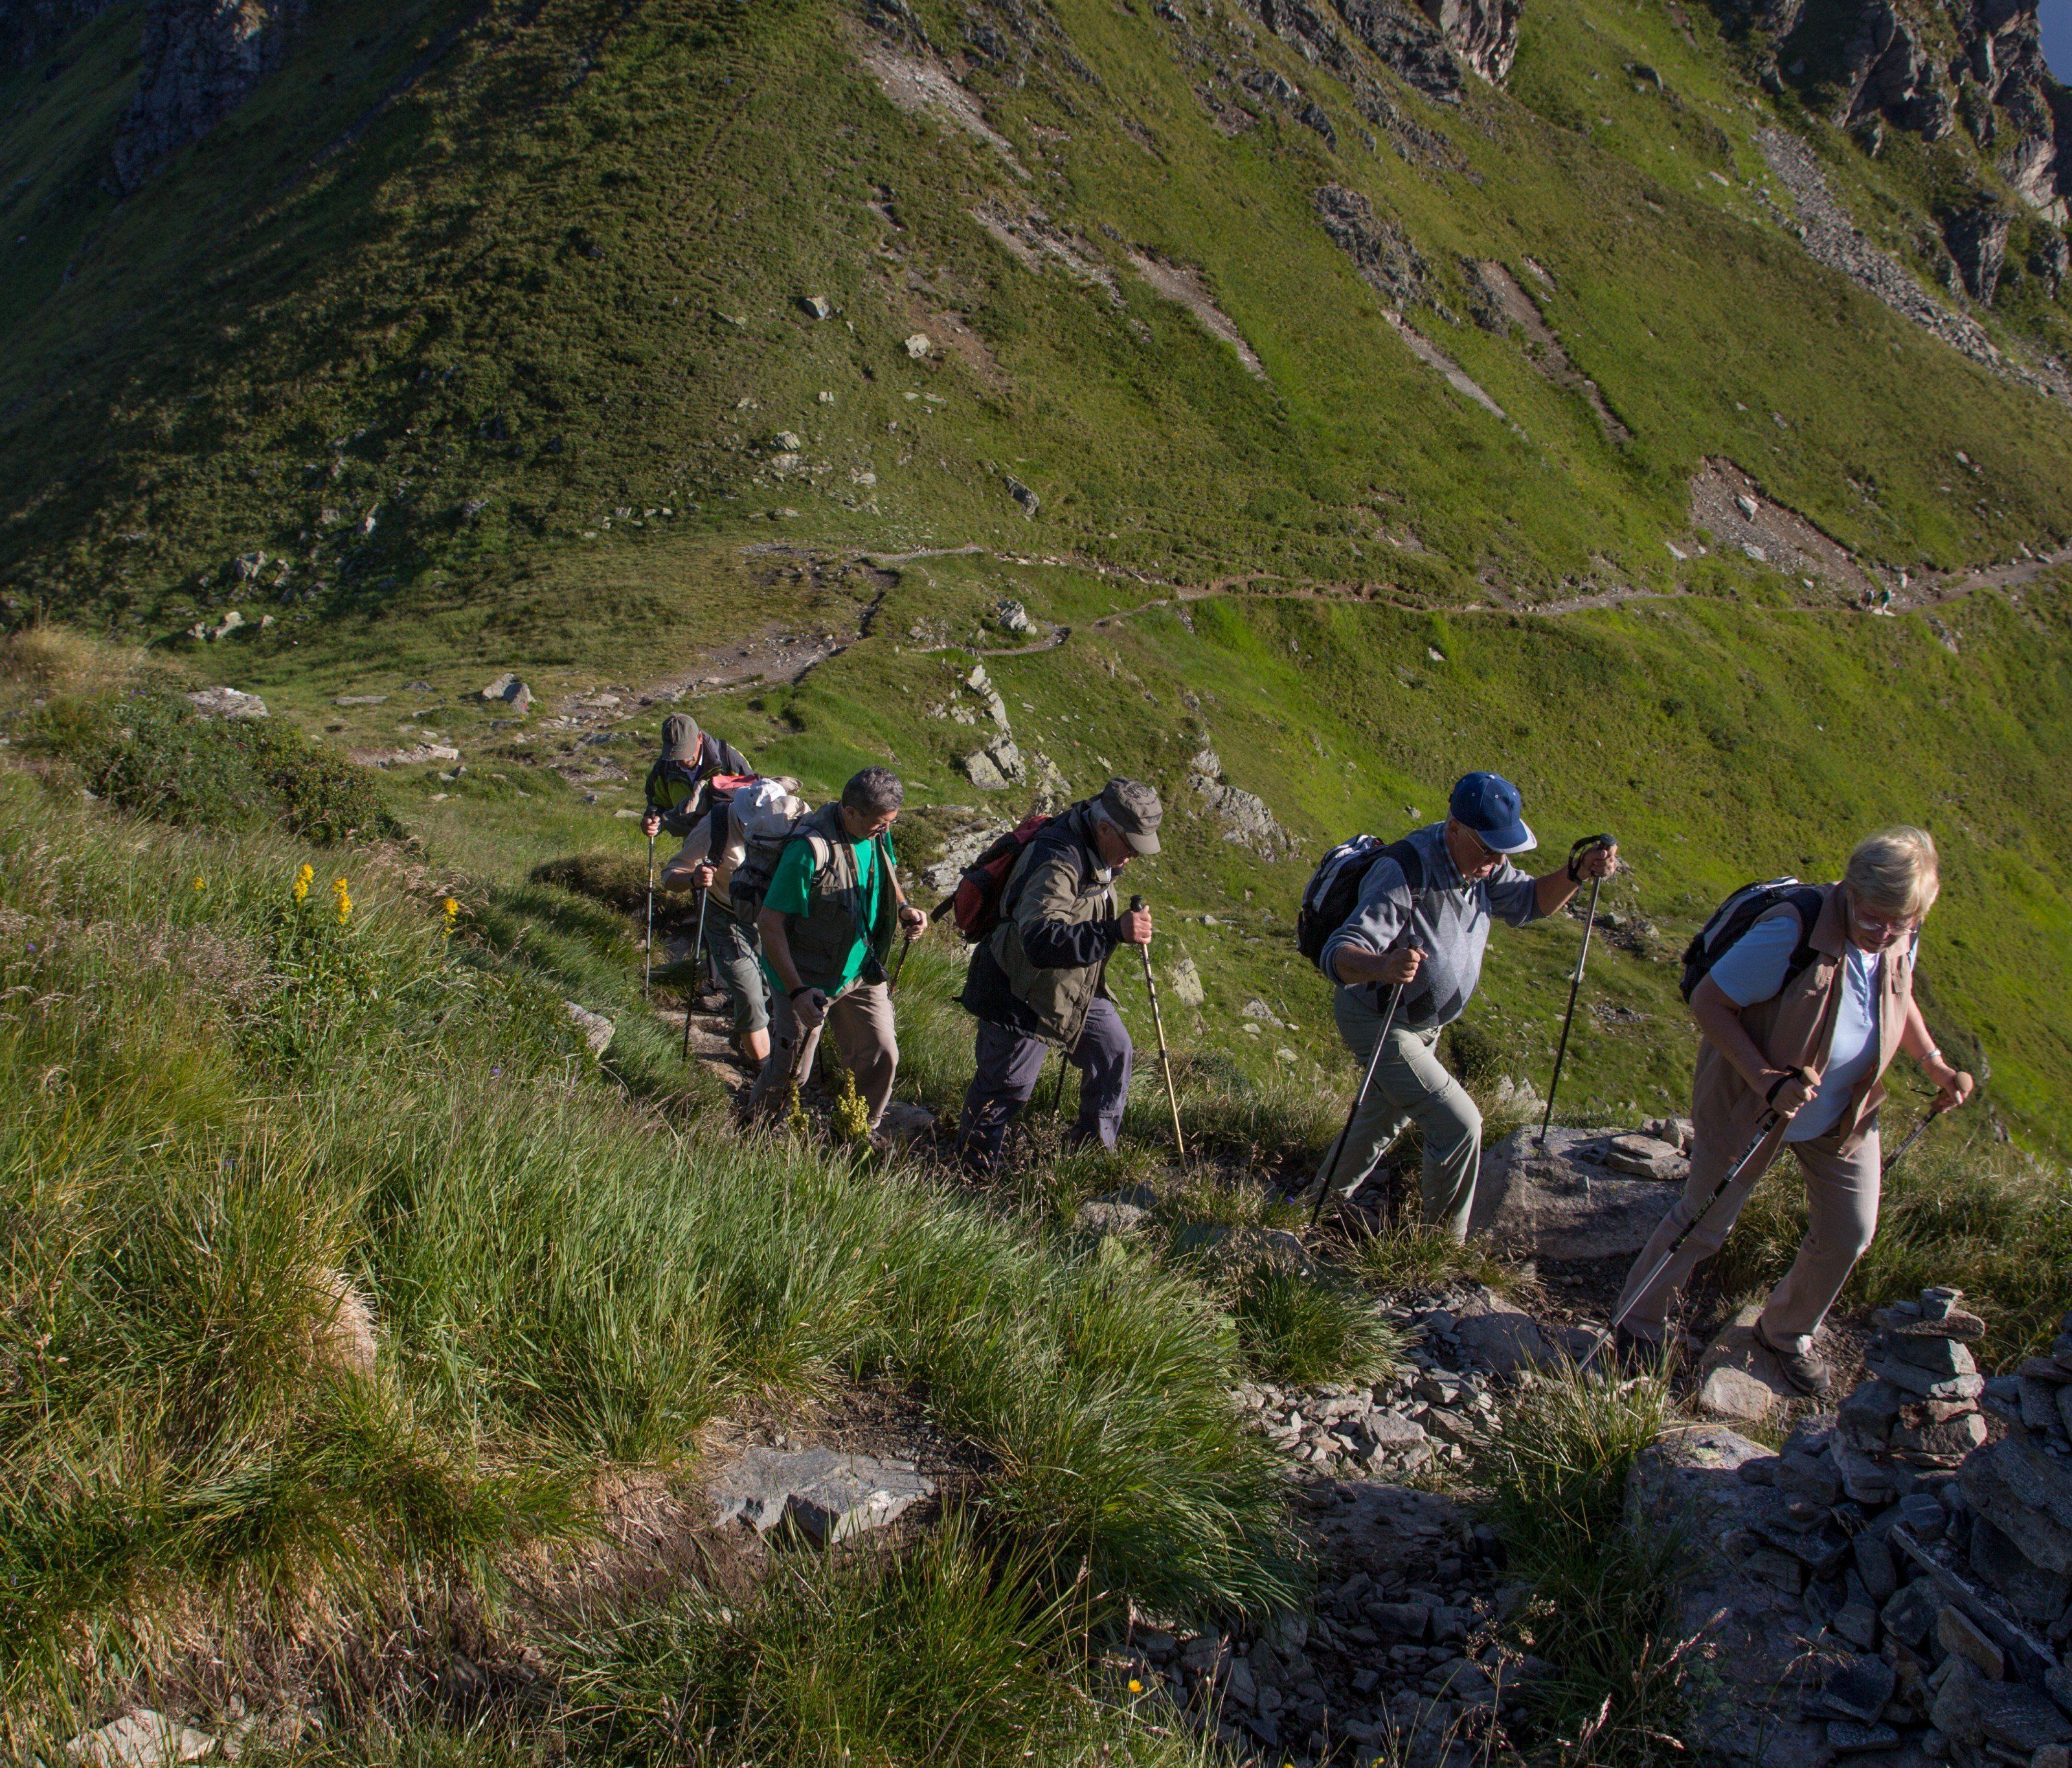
(305, 876)
(1135, 1686)
(343, 892)
(453, 914)
(851, 1115)
(197, 884)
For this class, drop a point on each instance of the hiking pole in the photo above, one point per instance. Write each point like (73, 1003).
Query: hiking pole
(1158, 1019)
(899, 964)
(697, 958)
(1359, 1098)
(647, 947)
(1588, 844)
(1769, 1121)
(1914, 1136)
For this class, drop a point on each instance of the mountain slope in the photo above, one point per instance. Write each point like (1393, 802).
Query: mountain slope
(487, 275)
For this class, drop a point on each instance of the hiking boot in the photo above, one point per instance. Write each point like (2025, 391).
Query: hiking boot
(1631, 1355)
(1805, 1370)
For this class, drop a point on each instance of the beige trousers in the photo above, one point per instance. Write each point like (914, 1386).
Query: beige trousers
(861, 1022)
(1841, 1211)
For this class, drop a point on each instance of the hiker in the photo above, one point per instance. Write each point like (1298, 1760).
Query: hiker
(730, 937)
(828, 916)
(1426, 933)
(694, 770)
(1802, 1014)
(681, 784)
(1040, 977)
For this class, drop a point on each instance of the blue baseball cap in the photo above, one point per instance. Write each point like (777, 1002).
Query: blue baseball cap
(1488, 804)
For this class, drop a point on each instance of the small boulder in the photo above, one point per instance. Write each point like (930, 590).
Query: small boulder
(508, 689)
(227, 703)
(597, 1030)
(918, 345)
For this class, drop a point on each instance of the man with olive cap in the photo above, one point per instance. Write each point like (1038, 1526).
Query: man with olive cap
(1422, 922)
(1040, 977)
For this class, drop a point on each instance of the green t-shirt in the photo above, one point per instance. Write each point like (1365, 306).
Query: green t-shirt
(790, 883)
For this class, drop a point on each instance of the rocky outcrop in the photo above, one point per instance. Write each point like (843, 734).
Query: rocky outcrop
(1882, 65)
(1484, 33)
(29, 29)
(1916, 1586)
(1829, 236)
(1382, 253)
(201, 58)
(1977, 238)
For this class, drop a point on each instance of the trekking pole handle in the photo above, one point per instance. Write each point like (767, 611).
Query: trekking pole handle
(1588, 844)
(1781, 1083)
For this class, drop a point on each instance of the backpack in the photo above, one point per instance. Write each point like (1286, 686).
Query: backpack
(762, 808)
(1333, 890)
(974, 906)
(1740, 912)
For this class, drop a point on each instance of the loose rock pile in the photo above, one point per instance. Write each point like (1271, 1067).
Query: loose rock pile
(1399, 1663)
(1914, 1581)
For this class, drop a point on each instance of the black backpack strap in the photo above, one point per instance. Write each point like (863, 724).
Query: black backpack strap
(1807, 903)
(1408, 861)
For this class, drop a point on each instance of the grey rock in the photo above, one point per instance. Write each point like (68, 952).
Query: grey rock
(140, 1738)
(509, 689)
(1410, 1621)
(2033, 1592)
(200, 58)
(1909, 1616)
(1505, 1338)
(1904, 1319)
(1855, 1687)
(596, 1029)
(1874, 1564)
(1857, 1623)
(227, 703)
(2026, 1494)
(1109, 1218)
(1939, 1356)
(1956, 1631)
(1187, 980)
(1530, 1202)
(827, 1494)
(1917, 1380)
(1642, 1157)
(2015, 1716)
(1031, 503)
(1807, 1476)
(1865, 1417)
(1852, 1737)
(815, 305)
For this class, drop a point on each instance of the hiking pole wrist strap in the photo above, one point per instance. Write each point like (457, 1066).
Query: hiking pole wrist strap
(1588, 843)
(1778, 1085)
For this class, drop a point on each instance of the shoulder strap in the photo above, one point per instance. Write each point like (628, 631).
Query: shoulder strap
(1408, 861)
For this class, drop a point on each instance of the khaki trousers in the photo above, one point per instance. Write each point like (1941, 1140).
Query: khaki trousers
(1841, 1212)
(1410, 1086)
(861, 1022)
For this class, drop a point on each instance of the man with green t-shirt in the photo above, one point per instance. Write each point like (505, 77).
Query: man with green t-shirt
(828, 923)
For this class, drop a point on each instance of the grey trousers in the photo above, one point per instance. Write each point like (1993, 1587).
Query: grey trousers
(1410, 1086)
(1841, 1216)
(1009, 1065)
(861, 1022)
(736, 960)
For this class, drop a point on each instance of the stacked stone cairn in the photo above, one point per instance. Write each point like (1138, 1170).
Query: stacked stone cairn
(1937, 1566)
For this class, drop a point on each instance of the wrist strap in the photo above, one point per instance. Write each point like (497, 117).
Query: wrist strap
(804, 988)
(1778, 1085)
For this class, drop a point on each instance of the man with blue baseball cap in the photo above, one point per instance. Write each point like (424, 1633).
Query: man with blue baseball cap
(1422, 920)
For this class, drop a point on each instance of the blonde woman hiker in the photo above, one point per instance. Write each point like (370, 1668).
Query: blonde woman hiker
(1803, 1004)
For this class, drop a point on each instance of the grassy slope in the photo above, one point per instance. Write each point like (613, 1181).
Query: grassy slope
(568, 213)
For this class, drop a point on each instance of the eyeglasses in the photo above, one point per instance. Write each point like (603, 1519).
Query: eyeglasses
(1878, 926)
(1488, 852)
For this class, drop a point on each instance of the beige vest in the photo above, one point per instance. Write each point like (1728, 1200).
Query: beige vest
(1795, 1028)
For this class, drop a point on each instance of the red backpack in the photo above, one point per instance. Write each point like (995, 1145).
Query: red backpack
(974, 906)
